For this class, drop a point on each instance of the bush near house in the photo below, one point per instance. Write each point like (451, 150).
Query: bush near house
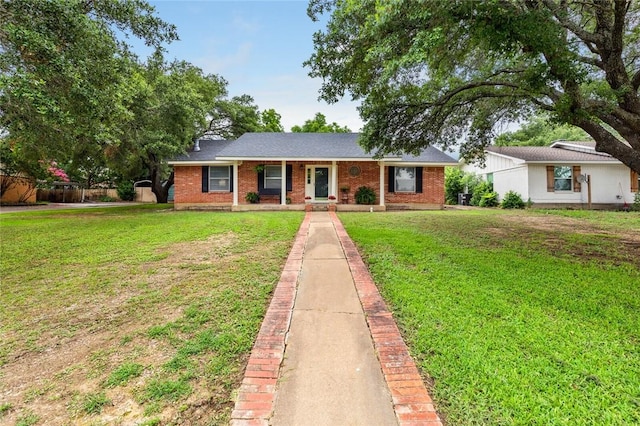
(636, 203)
(479, 191)
(512, 200)
(365, 195)
(489, 199)
(457, 182)
(126, 191)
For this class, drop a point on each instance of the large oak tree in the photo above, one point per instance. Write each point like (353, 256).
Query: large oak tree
(438, 72)
(63, 68)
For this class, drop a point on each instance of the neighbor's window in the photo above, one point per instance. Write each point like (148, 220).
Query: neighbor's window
(562, 176)
(272, 177)
(405, 179)
(219, 178)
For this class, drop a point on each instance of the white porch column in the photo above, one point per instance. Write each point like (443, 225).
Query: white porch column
(283, 183)
(381, 183)
(334, 179)
(235, 183)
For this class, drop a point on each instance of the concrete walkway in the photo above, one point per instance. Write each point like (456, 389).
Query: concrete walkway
(329, 352)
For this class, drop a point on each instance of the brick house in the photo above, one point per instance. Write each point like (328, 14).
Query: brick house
(316, 169)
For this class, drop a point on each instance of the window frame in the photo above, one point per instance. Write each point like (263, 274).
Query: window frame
(218, 188)
(272, 179)
(395, 178)
(556, 179)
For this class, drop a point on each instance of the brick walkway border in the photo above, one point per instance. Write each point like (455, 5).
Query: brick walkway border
(254, 405)
(256, 395)
(411, 401)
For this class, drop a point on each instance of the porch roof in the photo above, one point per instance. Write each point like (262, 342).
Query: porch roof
(300, 146)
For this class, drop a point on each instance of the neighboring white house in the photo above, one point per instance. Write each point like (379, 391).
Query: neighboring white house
(565, 174)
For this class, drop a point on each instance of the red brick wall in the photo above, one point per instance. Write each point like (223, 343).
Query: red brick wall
(188, 184)
(188, 188)
(369, 176)
(432, 188)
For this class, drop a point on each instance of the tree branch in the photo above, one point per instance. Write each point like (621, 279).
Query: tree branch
(592, 61)
(564, 21)
(635, 80)
(470, 86)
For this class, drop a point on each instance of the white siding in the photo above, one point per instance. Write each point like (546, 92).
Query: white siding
(538, 186)
(610, 184)
(515, 179)
(493, 163)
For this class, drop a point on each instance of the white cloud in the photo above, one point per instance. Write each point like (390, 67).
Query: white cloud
(215, 62)
(240, 24)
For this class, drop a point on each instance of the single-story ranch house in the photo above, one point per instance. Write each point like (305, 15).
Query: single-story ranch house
(316, 169)
(565, 174)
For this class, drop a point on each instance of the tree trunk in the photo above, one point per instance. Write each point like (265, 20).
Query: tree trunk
(157, 187)
(606, 142)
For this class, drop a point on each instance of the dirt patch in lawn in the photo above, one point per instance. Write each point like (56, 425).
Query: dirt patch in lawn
(48, 379)
(573, 237)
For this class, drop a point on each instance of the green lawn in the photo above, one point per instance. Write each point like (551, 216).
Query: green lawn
(146, 315)
(515, 317)
(140, 314)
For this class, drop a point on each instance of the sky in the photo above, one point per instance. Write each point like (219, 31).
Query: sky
(259, 48)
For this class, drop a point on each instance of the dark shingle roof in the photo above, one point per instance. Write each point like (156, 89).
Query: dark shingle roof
(551, 154)
(429, 155)
(296, 145)
(209, 150)
(292, 146)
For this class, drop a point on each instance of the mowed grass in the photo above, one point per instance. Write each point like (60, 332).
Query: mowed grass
(139, 315)
(515, 318)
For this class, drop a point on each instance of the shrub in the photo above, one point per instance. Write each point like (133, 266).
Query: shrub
(107, 199)
(636, 202)
(252, 197)
(512, 200)
(365, 195)
(126, 191)
(453, 184)
(489, 199)
(479, 191)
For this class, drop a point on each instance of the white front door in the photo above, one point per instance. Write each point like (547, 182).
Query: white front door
(318, 182)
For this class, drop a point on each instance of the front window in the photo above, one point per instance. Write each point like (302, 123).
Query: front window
(272, 177)
(405, 179)
(219, 178)
(562, 176)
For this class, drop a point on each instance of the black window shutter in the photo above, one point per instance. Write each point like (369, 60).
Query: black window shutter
(419, 180)
(261, 181)
(205, 178)
(230, 178)
(392, 179)
(289, 177)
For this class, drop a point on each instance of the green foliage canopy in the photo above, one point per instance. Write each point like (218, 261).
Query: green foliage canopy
(540, 132)
(319, 125)
(437, 72)
(168, 106)
(271, 121)
(62, 71)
